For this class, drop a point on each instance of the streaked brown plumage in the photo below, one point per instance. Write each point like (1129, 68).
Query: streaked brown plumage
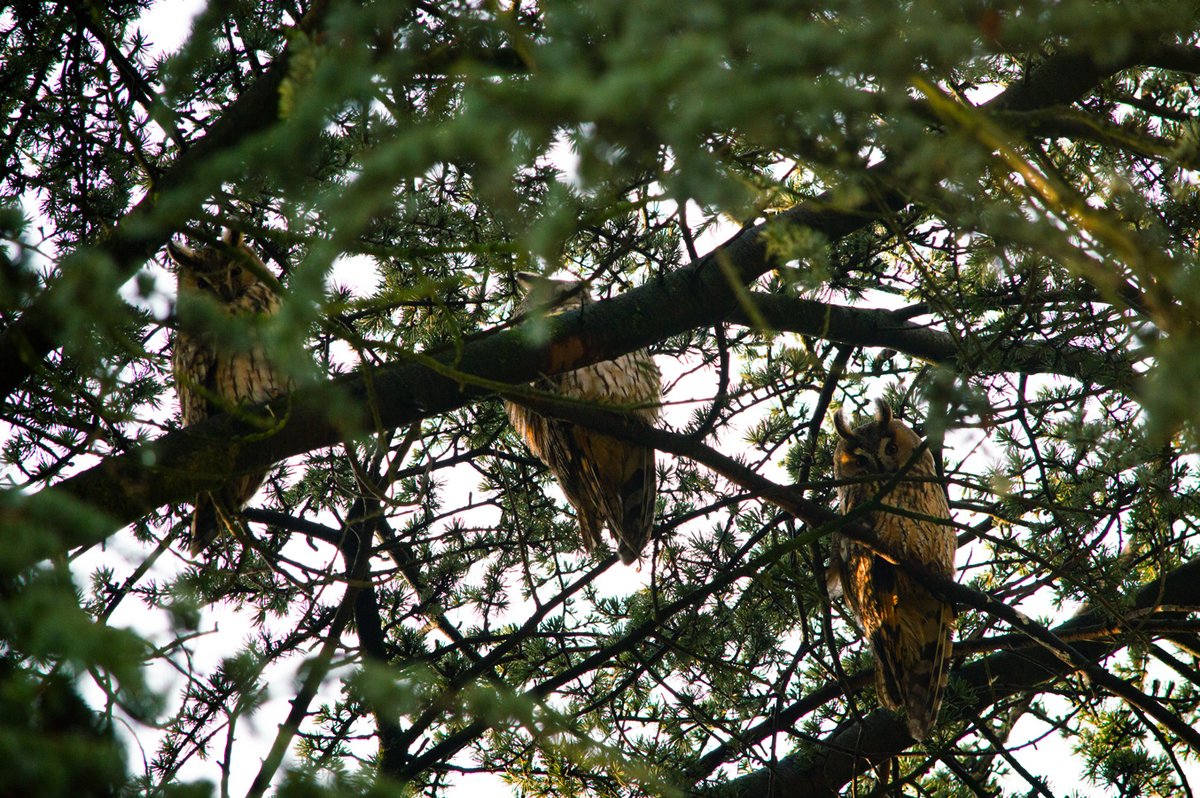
(908, 628)
(211, 377)
(609, 482)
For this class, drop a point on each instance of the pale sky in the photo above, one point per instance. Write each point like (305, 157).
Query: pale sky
(168, 24)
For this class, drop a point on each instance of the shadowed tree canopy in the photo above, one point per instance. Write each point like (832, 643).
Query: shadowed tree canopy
(986, 215)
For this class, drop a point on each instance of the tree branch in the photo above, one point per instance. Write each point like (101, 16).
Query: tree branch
(178, 465)
(883, 328)
(146, 228)
(1176, 57)
(201, 457)
(822, 767)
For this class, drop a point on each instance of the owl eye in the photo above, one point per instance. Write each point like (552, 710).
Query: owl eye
(891, 448)
(862, 460)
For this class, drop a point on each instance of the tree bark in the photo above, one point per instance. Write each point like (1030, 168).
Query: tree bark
(823, 767)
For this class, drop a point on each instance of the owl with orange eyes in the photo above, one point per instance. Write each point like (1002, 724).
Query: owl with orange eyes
(908, 628)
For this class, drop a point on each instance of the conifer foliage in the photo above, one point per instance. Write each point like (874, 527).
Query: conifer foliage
(985, 215)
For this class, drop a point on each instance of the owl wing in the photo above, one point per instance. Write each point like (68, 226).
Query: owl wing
(621, 473)
(193, 364)
(908, 628)
(911, 641)
(607, 481)
(555, 444)
(639, 494)
(568, 448)
(210, 382)
(610, 482)
(623, 482)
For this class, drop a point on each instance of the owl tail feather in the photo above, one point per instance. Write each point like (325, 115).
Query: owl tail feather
(589, 526)
(635, 523)
(913, 677)
(209, 518)
(205, 525)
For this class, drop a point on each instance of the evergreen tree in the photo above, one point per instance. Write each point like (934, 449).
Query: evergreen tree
(985, 214)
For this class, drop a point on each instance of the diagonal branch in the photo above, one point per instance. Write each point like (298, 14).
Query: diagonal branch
(883, 328)
(180, 464)
(201, 457)
(821, 768)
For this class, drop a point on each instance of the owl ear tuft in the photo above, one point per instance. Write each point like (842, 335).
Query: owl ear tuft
(883, 415)
(181, 254)
(232, 237)
(839, 424)
(529, 281)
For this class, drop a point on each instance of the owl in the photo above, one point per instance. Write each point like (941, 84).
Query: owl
(908, 628)
(610, 483)
(214, 376)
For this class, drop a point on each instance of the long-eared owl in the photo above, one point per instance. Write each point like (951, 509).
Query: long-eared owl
(908, 628)
(213, 375)
(609, 482)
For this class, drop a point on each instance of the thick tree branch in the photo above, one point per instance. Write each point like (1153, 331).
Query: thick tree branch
(883, 328)
(1176, 57)
(822, 768)
(178, 465)
(1117, 633)
(1062, 79)
(146, 228)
